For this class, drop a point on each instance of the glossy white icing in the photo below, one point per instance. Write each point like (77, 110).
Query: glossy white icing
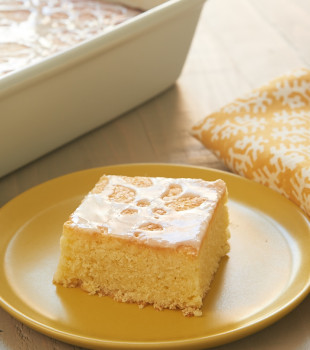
(31, 30)
(156, 221)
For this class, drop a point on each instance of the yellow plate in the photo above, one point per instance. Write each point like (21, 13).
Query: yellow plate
(264, 277)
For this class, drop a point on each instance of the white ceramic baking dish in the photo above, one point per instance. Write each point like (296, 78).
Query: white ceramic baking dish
(56, 100)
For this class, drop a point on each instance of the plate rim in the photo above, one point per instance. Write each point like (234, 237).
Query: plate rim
(194, 342)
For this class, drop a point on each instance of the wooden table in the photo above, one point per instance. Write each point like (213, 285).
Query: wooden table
(238, 45)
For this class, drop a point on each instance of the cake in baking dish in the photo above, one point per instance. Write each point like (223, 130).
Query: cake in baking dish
(147, 240)
(31, 31)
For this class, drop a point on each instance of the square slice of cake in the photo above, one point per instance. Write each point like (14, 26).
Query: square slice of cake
(147, 240)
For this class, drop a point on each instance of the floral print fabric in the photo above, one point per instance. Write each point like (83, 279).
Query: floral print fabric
(265, 136)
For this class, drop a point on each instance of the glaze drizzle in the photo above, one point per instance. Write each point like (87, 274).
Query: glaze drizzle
(167, 212)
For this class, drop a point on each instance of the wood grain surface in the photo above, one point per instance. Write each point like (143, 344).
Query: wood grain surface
(238, 45)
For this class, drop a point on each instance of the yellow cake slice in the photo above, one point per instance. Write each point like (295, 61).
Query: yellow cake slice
(147, 240)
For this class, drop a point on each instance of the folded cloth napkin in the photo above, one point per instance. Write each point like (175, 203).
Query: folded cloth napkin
(265, 136)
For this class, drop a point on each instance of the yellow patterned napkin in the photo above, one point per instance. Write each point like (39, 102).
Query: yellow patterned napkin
(265, 136)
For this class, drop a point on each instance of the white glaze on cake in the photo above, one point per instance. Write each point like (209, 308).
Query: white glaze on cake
(31, 30)
(148, 215)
